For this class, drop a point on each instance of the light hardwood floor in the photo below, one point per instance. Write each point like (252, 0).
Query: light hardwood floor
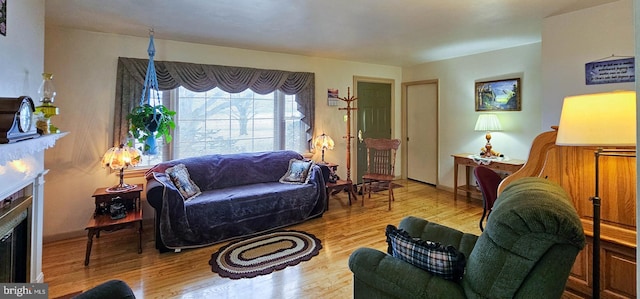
(342, 229)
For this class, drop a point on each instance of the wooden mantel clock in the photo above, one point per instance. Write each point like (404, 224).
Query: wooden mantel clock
(16, 119)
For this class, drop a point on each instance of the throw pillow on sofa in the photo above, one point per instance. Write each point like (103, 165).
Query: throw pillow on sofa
(444, 261)
(298, 172)
(180, 177)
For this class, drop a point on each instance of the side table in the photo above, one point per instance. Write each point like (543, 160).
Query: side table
(338, 185)
(508, 166)
(101, 220)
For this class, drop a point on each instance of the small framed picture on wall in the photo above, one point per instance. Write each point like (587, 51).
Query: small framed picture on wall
(3, 17)
(498, 95)
(332, 97)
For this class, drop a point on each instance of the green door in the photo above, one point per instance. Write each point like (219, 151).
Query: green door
(374, 119)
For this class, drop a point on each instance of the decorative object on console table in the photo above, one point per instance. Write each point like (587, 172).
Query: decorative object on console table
(151, 120)
(324, 142)
(119, 158)
(102, 218)
(488, 123)
(16, 119)
(44, 112)
(602, 120)
(467, 160)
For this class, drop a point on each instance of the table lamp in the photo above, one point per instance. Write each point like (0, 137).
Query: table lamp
(488, 123)
(119, 158)
(324, 142)
(601, 120)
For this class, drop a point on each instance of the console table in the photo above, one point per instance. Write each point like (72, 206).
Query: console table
(509, 166)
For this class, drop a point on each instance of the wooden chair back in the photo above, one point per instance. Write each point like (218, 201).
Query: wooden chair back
(381, 155)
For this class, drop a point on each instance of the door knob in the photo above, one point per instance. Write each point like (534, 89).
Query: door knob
(360, 135)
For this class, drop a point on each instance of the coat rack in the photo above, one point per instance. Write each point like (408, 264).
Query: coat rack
(348, 100)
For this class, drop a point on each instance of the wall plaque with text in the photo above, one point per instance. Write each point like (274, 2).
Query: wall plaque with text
(610, 71)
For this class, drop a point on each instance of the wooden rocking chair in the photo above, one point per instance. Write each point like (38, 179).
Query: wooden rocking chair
(381, 160)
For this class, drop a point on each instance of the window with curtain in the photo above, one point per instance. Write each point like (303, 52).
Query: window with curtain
(218, 122)
(290, 96)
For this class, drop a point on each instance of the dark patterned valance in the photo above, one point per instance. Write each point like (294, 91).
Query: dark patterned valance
(203, 77)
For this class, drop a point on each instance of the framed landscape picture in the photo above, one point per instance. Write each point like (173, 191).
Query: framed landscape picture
(499, 95)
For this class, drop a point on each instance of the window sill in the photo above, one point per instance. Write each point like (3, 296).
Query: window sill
(137, 172)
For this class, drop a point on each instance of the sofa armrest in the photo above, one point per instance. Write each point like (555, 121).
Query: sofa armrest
(156, 186)
(154, 193)
(381, 275)
(431, 231)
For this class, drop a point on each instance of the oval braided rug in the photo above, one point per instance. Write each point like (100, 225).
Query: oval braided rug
(264, 254)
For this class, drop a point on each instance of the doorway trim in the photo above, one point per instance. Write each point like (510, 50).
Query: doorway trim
(354, 119)
(404, 126)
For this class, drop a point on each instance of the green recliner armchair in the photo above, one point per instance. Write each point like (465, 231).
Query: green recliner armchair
(526, 251)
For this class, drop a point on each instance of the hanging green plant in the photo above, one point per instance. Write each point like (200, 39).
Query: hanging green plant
(146, 120)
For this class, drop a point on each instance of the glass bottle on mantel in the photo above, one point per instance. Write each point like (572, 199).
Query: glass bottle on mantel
(44, 112)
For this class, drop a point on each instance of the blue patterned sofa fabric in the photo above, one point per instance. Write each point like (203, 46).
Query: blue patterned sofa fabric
(241, 195)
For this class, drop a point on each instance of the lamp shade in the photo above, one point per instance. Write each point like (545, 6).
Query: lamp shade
(324, 142)
(602, 119)
(121, 157)
(488, 122)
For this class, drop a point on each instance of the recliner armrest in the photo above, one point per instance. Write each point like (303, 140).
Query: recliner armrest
(396, 278)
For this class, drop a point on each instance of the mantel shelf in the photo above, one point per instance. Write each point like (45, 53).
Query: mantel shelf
(21, 149)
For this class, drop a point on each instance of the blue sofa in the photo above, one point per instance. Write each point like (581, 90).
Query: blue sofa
(241, 195)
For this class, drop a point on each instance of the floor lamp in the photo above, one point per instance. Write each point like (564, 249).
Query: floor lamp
(606, 121)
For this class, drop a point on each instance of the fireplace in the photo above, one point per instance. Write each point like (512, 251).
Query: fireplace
(21, 208)
(15, 237)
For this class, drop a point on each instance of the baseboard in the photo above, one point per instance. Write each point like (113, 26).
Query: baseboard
(83, 233)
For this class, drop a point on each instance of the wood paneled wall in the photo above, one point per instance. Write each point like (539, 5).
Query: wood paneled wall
(574, 169)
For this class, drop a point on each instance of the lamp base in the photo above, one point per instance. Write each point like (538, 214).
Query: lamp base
(487, 151)
(120, 188)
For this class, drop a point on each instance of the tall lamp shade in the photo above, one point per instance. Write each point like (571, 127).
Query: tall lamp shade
(603, 119)
(488, 122)
(600, 120)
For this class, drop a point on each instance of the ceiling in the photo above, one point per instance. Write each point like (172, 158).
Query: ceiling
(399, 33)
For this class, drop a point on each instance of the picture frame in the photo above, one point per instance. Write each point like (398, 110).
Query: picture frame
(332, 97)
(3, 17)
(498, 95)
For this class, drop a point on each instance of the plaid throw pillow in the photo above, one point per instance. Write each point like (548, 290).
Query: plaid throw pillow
(444, 261)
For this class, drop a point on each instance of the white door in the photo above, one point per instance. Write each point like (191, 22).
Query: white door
(422, 132)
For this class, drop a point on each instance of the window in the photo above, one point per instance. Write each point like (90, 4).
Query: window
(218, 122)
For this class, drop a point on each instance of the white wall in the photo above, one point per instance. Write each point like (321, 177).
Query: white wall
(457, 115)
(22, 49)
(84, 65)
(571, 40)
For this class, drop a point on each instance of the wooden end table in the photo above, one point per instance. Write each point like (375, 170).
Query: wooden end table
(101, 220)
(339, 185)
